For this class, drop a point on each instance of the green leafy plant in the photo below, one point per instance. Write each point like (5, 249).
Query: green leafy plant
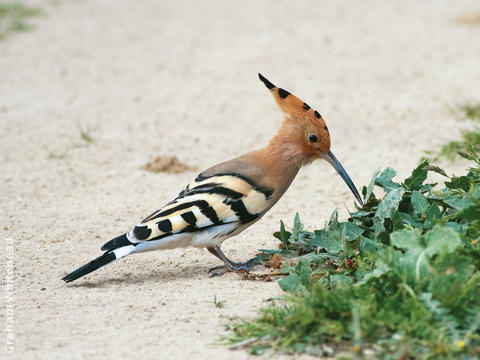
(400, 279)
(469, 137)
(13, 16)
(471, 111)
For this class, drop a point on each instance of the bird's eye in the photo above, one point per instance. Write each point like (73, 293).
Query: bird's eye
(312, 138)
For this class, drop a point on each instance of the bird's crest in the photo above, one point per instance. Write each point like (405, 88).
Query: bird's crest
(289, 103)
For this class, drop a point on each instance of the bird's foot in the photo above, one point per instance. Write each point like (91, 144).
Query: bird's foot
(232, 267)
(229, 265)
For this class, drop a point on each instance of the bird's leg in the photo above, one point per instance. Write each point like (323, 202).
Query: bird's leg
(229, 264)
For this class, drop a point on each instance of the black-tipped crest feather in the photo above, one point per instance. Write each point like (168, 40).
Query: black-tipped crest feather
(267, 83)
(283, 93)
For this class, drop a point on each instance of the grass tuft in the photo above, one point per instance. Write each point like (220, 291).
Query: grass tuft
(218, 303)
(13, 17)
(85, 135)
(469, 137)
(470, 111)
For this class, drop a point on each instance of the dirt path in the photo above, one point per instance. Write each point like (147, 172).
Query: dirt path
(100, 88)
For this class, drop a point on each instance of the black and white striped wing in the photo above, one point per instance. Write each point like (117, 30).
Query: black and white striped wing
(206, 203)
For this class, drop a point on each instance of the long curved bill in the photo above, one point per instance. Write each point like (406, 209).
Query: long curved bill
(337, 166)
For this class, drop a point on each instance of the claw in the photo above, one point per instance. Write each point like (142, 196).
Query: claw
(233, 267)
(216, 268)
(230, 266)
(223, 270)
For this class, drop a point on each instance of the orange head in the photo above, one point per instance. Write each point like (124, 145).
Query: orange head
(303, 126)
(304, 135)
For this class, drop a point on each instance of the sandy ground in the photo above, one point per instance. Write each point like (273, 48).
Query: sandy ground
(149, 78)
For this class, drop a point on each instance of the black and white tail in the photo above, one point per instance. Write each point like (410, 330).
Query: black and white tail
(116, 249)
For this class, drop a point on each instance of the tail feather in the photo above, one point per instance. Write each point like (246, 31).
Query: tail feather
(116, 243)
(91, 266)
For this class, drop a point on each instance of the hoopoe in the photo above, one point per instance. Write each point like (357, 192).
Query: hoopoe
(229, 197)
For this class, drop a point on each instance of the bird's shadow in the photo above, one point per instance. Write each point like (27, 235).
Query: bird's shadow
(188, 272)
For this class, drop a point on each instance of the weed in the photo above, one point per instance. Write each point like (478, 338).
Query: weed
(470, 137)
(13, 16)
(399, 279)
(58, 156)
(471, 111)
(218, 303)
(85, 135)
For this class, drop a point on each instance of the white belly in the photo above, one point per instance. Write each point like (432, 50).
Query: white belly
(212, 236)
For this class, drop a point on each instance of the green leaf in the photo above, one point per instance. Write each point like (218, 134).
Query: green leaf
(282, 235)
(385, 180)
(458, 202)
(414, 264)
(259, 349)
(471, 213)
(419, 203)
(291, 283)
(298, 234)
(407, 239)
(397, 220)
(297, 224)
(305, 273)
(409, 220)
(432, 215)
(378, 226)
(433, 305)
(419, 174)
(427, 187)
(380, 270)
(462, 183)
(470, 134)
(441, 238)
(328, 240)
(361, 214)
(367, 245)
(352, 231)
(371, 185)
(340, 280)
(460, 228)
(390, 202)
(333, 222)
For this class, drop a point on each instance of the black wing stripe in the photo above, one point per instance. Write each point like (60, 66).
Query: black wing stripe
(188, 229)
(239, 208)
(152, 215)
(119, 241)
(165, 226)
(189, 217)
(267, 192)
(141, 232)
(209, 212)
(181, 206)
(213, 188)
(203, 205)
(183, 192)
